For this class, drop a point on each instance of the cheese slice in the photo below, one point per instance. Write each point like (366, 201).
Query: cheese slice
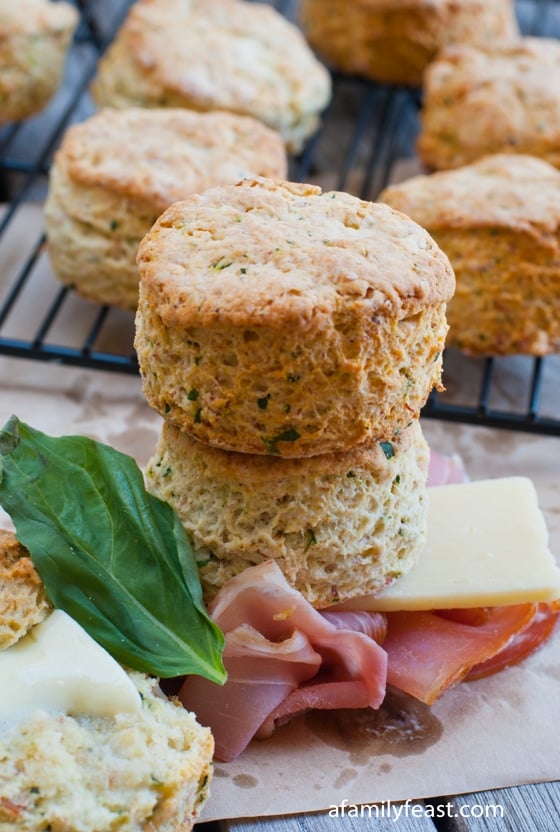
(487, 545)
(59, 668)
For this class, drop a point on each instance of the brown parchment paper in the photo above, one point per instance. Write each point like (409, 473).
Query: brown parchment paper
(495, 732)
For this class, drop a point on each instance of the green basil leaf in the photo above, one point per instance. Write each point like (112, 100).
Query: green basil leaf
(111, 555)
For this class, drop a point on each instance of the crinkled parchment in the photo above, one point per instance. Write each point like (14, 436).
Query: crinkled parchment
(486, 734)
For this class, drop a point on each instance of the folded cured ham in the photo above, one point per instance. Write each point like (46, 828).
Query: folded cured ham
(284, 657)
(277, 644)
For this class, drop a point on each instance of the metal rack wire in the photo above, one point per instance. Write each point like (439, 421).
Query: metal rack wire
(367, 133)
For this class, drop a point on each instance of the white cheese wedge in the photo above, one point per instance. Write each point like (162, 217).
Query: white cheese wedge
(59, 668)
(487, 545)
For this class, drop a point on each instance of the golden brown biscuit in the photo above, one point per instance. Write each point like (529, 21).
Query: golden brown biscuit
(34, 39)
(216, 54)
(393, 41)
(277, 319)
(23, 602)
(502, 101)
(140, 772)
(116, 172)
(338, 525)
(136, 772)
(498, 220)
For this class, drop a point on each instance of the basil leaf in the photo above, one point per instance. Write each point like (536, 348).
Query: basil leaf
(113, 556)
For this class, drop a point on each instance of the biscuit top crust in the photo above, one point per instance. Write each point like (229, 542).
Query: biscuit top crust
(499, 191)
(34, 17)
(271, 253)
(161, 155)
(218, 52)
(519, 77)
(520, 57)
(508, 59)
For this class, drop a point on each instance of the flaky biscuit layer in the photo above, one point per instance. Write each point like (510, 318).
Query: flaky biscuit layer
(115, 172)
(274, 318)
(498, 220)
(216, 54)
(338, 525)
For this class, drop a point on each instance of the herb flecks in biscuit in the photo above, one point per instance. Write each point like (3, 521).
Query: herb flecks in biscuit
(34, 38)
(498, 220)
(338, 525)
(117, 171)
(216, 55)
(307, 322)
(23, 602)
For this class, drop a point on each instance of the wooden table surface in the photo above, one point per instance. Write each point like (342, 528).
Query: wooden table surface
(532, 808)
(519, 809)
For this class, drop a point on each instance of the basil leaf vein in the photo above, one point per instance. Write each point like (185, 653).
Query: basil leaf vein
(114, 557)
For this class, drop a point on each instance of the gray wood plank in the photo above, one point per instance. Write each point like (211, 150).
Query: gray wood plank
(382, 817)
(534, 808)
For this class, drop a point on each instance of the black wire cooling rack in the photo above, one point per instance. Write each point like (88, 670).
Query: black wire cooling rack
(366, 140)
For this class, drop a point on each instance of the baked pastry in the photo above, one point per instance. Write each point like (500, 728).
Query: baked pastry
(498, 220)
(216, 54)
(34, 39)
(393, 41)
(116, 172)
(338, 525)
(277, 319)
(136, 772)
(140, 771)
(502, 101)
(23, 602)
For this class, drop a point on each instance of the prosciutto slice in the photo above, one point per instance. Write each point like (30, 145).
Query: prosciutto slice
(275, 642)
(283, 657)
(330, 689)
(445, 470)
(521, 645)
(429, 652)
(261, 674)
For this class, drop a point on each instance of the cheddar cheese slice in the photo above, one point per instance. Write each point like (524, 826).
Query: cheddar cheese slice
(487, 545)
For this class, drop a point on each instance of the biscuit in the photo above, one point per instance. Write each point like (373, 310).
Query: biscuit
(34, 39)
(502, 101)
(392, 41)
(216, 54)
(338, 525)
(498, 220)
(147, 772)
(116, 172)
(23, 602)
(277, 319)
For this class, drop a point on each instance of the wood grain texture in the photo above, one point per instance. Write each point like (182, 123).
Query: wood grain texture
(379, 818)
(518, 809)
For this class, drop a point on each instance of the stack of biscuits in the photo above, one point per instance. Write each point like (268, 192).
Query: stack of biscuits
(289, 338)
